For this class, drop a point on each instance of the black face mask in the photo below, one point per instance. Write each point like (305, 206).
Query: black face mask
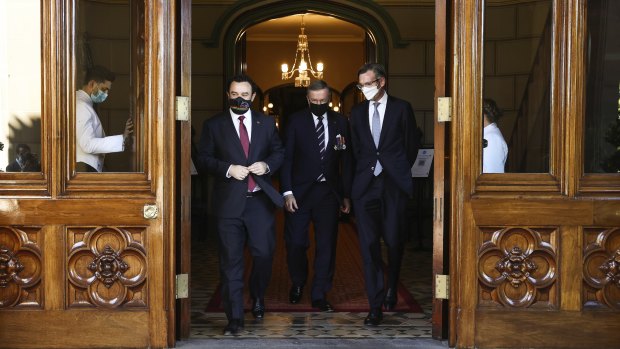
(239, 105)
(319, 109)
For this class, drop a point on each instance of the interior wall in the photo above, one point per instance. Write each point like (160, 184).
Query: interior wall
(512, 36)
(410, 68)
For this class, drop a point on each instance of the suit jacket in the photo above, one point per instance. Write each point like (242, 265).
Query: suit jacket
(302, 160)
(220, 147)
(397, 150)
(91, 142)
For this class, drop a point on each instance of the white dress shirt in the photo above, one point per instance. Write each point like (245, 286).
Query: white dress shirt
(380, 108)
(247, 121)
(91, 142)
(495, 153)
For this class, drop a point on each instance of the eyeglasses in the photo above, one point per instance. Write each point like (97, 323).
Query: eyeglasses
(367, 84)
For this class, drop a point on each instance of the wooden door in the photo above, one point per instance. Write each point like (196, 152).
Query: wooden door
(534, 254)
(87, 258)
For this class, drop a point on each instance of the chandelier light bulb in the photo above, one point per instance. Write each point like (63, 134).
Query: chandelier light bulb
(270, 105)
(284, 68)
(319, 66)
(303, 66)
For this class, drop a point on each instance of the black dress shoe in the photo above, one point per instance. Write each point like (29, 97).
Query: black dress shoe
(294, 295)
(323, 305)
(258, 308)
(234, 327)
(390, 299)
(374, 318)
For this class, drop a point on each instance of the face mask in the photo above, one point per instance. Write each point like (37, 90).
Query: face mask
(239, 105)
(99, 96)
(370, 91)
(319, 109)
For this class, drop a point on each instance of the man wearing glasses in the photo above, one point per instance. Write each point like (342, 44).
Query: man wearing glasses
(385, 143)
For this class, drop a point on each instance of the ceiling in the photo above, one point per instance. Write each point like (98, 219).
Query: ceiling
(318, 28)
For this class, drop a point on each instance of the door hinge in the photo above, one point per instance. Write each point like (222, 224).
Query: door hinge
(444, 109)
(442, 286)
(182, 108)
(182, 286)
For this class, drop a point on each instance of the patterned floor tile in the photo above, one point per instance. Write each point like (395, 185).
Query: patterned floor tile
(415, 275)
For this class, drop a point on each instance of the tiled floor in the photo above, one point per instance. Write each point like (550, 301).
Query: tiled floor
(415, 275)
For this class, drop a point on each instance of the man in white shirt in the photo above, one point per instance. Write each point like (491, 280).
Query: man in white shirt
(91, 141)
(495, 150)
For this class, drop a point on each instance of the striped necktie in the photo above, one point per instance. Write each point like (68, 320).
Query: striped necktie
(320, 135)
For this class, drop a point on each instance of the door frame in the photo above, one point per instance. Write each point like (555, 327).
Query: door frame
(441, 188)
(183, 87)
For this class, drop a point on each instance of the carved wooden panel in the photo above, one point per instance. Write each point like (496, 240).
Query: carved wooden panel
(517, 267)
(21, 266)
(601, 268)
(106, 267)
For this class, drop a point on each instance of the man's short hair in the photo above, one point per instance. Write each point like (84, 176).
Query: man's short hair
(376, 68)
(318, 85)
(99, 74)
(241, 78)
(491, 110)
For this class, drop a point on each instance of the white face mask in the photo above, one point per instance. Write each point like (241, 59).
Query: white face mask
(370, 91)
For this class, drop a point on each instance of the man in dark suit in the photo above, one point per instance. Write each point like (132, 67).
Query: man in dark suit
(242, 149)
(385, 145)
(316, 184)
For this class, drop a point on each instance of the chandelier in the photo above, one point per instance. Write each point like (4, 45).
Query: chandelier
(300, 65)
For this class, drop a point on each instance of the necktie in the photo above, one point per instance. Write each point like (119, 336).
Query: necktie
(320, 135)
(376, 133)
(245, 143)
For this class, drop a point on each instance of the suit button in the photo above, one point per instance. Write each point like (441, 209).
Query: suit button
(377, 153)
(372, 168)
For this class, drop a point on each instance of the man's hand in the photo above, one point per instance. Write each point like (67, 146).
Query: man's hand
(258, 168)
(238, 172)
(128, 128)
(346, 205)
(290, 204)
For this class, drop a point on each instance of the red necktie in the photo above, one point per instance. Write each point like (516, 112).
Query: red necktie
(245, 143)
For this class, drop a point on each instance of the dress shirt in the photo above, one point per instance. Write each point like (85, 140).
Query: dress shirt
(247, 121)
(380, 108)
(91, 142)
(495, 153)
(316, 122)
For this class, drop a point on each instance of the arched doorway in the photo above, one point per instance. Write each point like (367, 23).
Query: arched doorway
(235, 42)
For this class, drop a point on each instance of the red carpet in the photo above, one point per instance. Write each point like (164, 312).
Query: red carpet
(347, 294)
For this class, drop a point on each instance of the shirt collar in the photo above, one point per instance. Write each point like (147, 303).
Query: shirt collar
(82, 95)
(316, 118)
(235, 117)
(382, 100)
